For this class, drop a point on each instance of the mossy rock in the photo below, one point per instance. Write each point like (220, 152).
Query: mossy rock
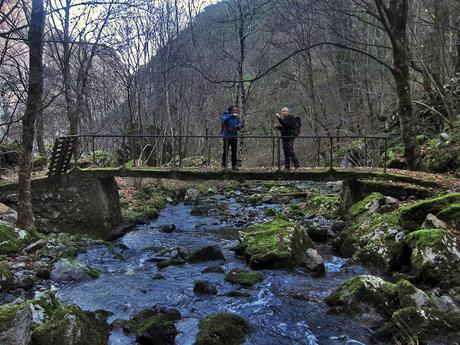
(365, 294)
(10, 242)
(6, 276)
(222, 329)
(411, 217)
(242, 277)
(414, 325)
(327, 206)
(384, 252)
(214, 269)
(207, 253)
(70, 325)
(154, 326)
(276, 244)
(410, 296)
(451, 215)
(15, 324)
(363, 205)
(435, 255)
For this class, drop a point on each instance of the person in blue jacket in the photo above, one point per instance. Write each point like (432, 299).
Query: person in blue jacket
(231, 124)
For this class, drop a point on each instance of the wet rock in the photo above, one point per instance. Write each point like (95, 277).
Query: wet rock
(200, 210)
(237, 294)
(243, 278)
(170, 262)
(222, 328)
(420, 323)
(191, 196)
(204, 287)
(337, 226)
(6, 276)
(154, 326)
(69, 325)
(369, 204)
(432, 222)
(8, 216)
(65, 270)
(25, 281)
(158, 276)
(15, 324)
(389, 200)
(318, 233)
(314, 262)
(35, 246)
(435, 255)
(168, 228)
(213, 269)
(118, 324)
(276, 244)
(208, 253)
(367, 297)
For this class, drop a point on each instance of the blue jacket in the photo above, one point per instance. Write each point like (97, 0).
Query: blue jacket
(230, 125)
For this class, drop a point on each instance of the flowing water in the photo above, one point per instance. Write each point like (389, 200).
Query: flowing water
(286, 308)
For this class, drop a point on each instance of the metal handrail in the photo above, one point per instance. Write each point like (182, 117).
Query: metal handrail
(276, 141)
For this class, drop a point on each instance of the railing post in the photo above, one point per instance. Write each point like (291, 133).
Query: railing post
(318, 152)
(385, 155)
(273, 151)
(279, 153)
(94, 149)
(180, 150)
(123, 151)
(331, 142)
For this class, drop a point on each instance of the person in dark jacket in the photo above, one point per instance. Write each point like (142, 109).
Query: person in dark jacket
(231, 124)
(287, 125)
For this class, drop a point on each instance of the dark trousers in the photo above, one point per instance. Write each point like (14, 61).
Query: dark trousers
(289, 154)
(233, 144)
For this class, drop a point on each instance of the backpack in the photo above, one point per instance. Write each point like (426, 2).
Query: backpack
(298, 126)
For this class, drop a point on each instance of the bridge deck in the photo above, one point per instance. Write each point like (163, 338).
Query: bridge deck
(311, 174)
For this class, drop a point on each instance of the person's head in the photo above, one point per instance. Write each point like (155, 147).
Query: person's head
(285, 111)
(233, 109)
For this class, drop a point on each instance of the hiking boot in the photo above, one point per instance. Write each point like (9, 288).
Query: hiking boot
(287, 168)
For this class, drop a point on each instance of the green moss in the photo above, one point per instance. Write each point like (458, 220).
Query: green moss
(435, 255)
(170, 262)
(8, 312)
(362, 206)
(222, 329)
(275, 244)
(412, 216)
(322, 205)
(160, 322)
(384, 253)
(70, 325)
(242, 277)
(370, 290)
(10, 243)
(410, 296)
(93, 272)
(451, 214)
(144, 205)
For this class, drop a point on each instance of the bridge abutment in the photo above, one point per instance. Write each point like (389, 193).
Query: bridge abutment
(74, 203)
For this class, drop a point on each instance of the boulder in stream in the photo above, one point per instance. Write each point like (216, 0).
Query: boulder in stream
(70, 270)
(222, 329)
(242, 277)
(204, 287)
(208, 253)
(191, 196)
(313, 262)
(276, 244)
(154, 326)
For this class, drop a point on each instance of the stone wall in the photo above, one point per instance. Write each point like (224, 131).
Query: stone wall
(74, 203)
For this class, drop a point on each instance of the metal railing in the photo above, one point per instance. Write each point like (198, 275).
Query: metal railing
(205, 151)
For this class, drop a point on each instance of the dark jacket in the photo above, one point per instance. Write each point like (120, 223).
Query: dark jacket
(230, 125)
(287, 125)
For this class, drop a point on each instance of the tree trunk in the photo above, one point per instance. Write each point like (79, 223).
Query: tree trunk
(40, 135)
(397, 17)
(33, 108)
